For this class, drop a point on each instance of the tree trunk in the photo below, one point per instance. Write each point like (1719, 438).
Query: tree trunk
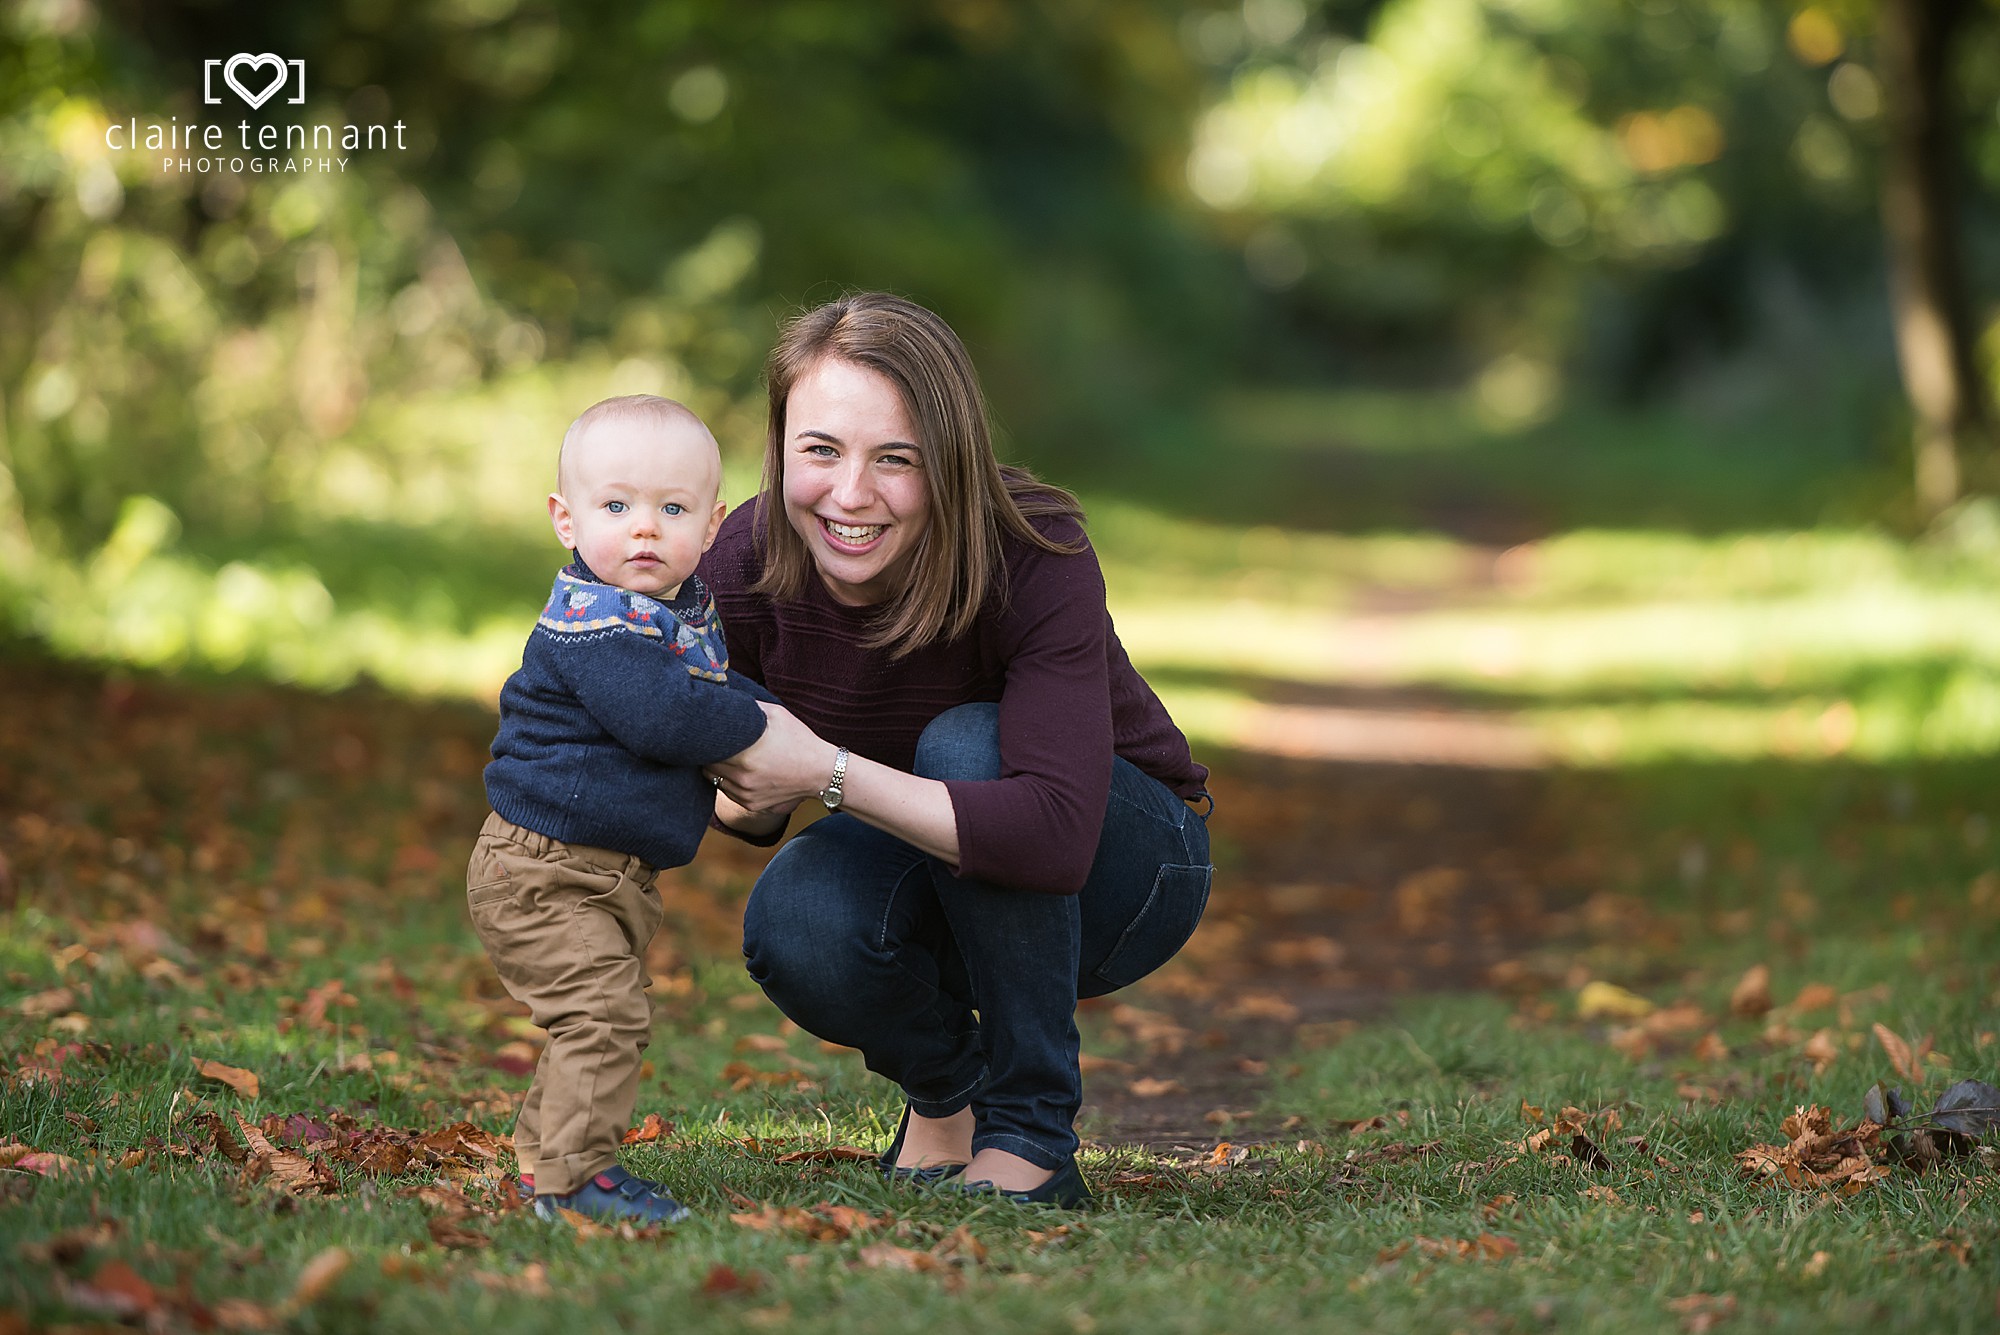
(1927, 283)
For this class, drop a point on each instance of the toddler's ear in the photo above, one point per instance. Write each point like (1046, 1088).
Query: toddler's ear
(715, 519)
(560, 517)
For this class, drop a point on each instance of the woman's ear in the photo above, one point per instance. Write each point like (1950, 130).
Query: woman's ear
(565, 526)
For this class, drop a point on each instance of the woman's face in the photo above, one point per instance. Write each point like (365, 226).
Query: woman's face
(854, 479)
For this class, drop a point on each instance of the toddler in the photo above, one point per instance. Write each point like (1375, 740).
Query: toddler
(623, 694)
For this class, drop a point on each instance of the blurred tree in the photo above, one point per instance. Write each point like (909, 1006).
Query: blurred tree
(1929, 285)
(1540, 196)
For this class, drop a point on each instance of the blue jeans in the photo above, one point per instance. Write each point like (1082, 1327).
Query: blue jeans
(962, 992)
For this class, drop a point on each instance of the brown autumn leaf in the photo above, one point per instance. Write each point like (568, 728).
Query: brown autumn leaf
(764, 1043)
(294, 1172)
(724, 1281)
(448, 1232)
(1821, 1050)
(317, 1277)
(1819, 1155)
(1752, 996)
(1152, 1087)
(1702, 1312)
(532, 1281)
(888, 1256)
(1484, 1247)
(1908, 1064)
(960, 1247)
(1261, 1006)
(312, 1012)
(651, 1127)
(244, 1314)
(235, 1077)
(52, 1002)
(44, 1163)
(1813, 997)
(116, 1290)
(72, 1245)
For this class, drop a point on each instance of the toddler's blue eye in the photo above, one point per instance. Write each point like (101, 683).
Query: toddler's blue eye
(674, 508)
(615, 507)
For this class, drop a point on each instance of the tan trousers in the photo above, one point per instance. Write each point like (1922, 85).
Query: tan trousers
(567, 928)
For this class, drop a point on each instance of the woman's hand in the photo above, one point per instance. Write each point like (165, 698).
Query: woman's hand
(790, 763)
(779, 770)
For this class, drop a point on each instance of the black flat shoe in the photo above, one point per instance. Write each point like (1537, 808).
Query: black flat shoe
(1066, 1190)
(928, 1176)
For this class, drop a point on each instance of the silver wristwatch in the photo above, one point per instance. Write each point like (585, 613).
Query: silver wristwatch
(831, 794)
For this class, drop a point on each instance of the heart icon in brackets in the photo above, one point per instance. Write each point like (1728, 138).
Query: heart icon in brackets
(278, 74)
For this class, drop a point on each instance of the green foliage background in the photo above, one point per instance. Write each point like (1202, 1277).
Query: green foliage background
(1493, 268)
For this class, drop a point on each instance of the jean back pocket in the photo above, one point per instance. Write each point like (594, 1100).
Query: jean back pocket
(1162, 926)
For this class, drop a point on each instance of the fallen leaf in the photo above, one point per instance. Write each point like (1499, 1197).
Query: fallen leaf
(52, 1002)
(723, 1281)
(1813, 997)
(317, 1277)
(1599, 1000)
(961, 1246)
(651, 1127)
(1815, 1266)
(1752, 995)
(888, 1256)
(1151, 1087)
(1700, 1312)
(532, 1281)
(45, 1163)
(1262, 1006)
(1587, 1152)
(1907, 1063)
(116, 1290)
(446, 1231)
(243, 1314)
(242, 1081)
(1821, 1050)
(1969, 1109)
(294, 1172)
(766, 1043)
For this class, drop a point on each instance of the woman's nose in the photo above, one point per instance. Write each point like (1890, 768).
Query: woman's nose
(851, 490)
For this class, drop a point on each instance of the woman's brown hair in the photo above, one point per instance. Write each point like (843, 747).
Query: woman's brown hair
(957, 564)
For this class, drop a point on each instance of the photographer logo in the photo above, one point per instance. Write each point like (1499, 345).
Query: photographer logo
(200, 147)
(277, 72)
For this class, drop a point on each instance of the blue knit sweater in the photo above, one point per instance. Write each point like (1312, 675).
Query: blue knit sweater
(619, 702)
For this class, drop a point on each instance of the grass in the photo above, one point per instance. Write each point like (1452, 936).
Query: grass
(1776, 738)
(190, 862)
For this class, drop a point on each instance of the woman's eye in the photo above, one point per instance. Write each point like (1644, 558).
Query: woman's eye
(615, 507)
(821, 450)
(900, 460)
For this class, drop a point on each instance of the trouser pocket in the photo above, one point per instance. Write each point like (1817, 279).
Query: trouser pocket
(1162, 926)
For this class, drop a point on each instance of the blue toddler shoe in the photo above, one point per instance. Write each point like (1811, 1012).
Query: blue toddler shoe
(616, 1195)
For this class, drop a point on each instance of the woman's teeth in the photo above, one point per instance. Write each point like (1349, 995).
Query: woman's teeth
(857, 534)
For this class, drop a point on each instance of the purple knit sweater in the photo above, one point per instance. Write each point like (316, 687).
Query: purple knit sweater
(1069, 698)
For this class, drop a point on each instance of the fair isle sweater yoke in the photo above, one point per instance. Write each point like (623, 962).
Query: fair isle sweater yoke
(619, 701)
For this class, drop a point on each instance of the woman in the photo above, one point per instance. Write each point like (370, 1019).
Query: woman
(1011, 827)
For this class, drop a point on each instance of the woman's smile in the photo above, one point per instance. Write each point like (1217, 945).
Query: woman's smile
(853, 537)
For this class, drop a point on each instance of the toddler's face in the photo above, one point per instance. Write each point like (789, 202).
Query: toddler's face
(639, 502)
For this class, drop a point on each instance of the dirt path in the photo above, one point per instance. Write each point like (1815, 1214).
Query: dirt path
(1343, 884)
